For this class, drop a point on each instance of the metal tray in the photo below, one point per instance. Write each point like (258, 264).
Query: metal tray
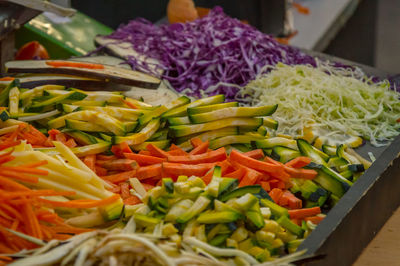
(364, 209)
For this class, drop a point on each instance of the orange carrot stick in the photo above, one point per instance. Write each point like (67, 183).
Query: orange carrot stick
(208, 157)
(255, 154)
(22, 169)
(196, 142)
(149, 171)
(177, 169)
(157, 152)
(81, 204)
(74, 64)
(314, 219)
(299, 162)
(202, 148)
(120, 177)
(19, 176)
(303, 213)
(143, 160)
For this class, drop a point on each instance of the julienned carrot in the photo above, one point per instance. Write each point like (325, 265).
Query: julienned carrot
(196, 142)
(150, 171)
(209, 157)
(105, 157)
(36, 193)
(22, 169)
(202, 148)
(144, 152)
(19, 176)
(143, 160)
(255, 154)
(157, 152)
(276, 171)
(81, 204)
(35, 164)
(74, 64)
(177, 169)
(303, 213)
(120, 177)
(314, 219)
(7, 158)
(120, 149)
(299, 162)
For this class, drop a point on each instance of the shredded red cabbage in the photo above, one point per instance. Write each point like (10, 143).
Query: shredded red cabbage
(209, 51)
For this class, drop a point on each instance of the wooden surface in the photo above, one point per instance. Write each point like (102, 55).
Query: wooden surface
(384, 249)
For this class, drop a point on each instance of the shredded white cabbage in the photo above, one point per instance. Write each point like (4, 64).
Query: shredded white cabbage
(328, 99)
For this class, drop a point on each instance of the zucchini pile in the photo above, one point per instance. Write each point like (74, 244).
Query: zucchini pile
(220, 214)
(338, 168)
(102, 118)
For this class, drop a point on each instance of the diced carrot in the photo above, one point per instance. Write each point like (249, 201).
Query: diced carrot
(149, 171)
(177, 169)
(121, 165)
(238, 174)
(100, 171)
(284, 199)
(120, 177)
(132, 200)
(90, 161)
(71, 143)
(255, 154)
(303, 213)
(196, 142)
(273, 170)
(299, 162)
(143, 160)
(125, 190)
(281, 184)
(209, 157)
(202, 148)
(250, 178)
(265, 185)
(314, 219)
(61, 138)
(19, 176)
(276, 194)
(301, 173)
(74, 64)
(144, 152)
(155, 151)
(295, 203)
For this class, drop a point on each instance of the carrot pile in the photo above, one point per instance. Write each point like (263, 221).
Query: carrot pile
(23, 209)
(37, 139)
(152, 164)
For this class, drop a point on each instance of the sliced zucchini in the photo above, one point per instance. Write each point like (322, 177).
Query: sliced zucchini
(71, 95)
(67, 108)
(226, 131)
(276, 210)
(80, 151)
(182, 100)
(233, 112)
(141, 136)
(4, 94)
(84, 126)
(120, 113)
(218, 217)
(26, 117)
(307, 150)
(227, 140)
(13, 101)
(161, 134)
(286, 223)
(198, 207)
(209, 108)
(4, 115)
(105, 120)
(90, 103)
(106, 137)
(328, 149)
(240, 192)
(181, 120)
(184, 130)
(182, 110)
(130, 126)
(269, 143)
(284, 154)
(145, 118)
(82, 137)
(162, 144)
(262, 130)
(138, 104)
(332, 181)
(270, 123)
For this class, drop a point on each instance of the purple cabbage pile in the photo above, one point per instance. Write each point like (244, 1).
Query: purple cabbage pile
(213, 50)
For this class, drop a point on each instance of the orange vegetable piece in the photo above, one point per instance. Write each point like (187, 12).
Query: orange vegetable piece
(74, 64)
(181, 11)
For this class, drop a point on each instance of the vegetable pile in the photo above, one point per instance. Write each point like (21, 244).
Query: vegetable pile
(211, 55)
(333, 102)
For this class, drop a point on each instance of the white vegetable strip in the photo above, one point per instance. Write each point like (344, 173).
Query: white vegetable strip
(39, 116)
(76, 162)
(220, 251)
